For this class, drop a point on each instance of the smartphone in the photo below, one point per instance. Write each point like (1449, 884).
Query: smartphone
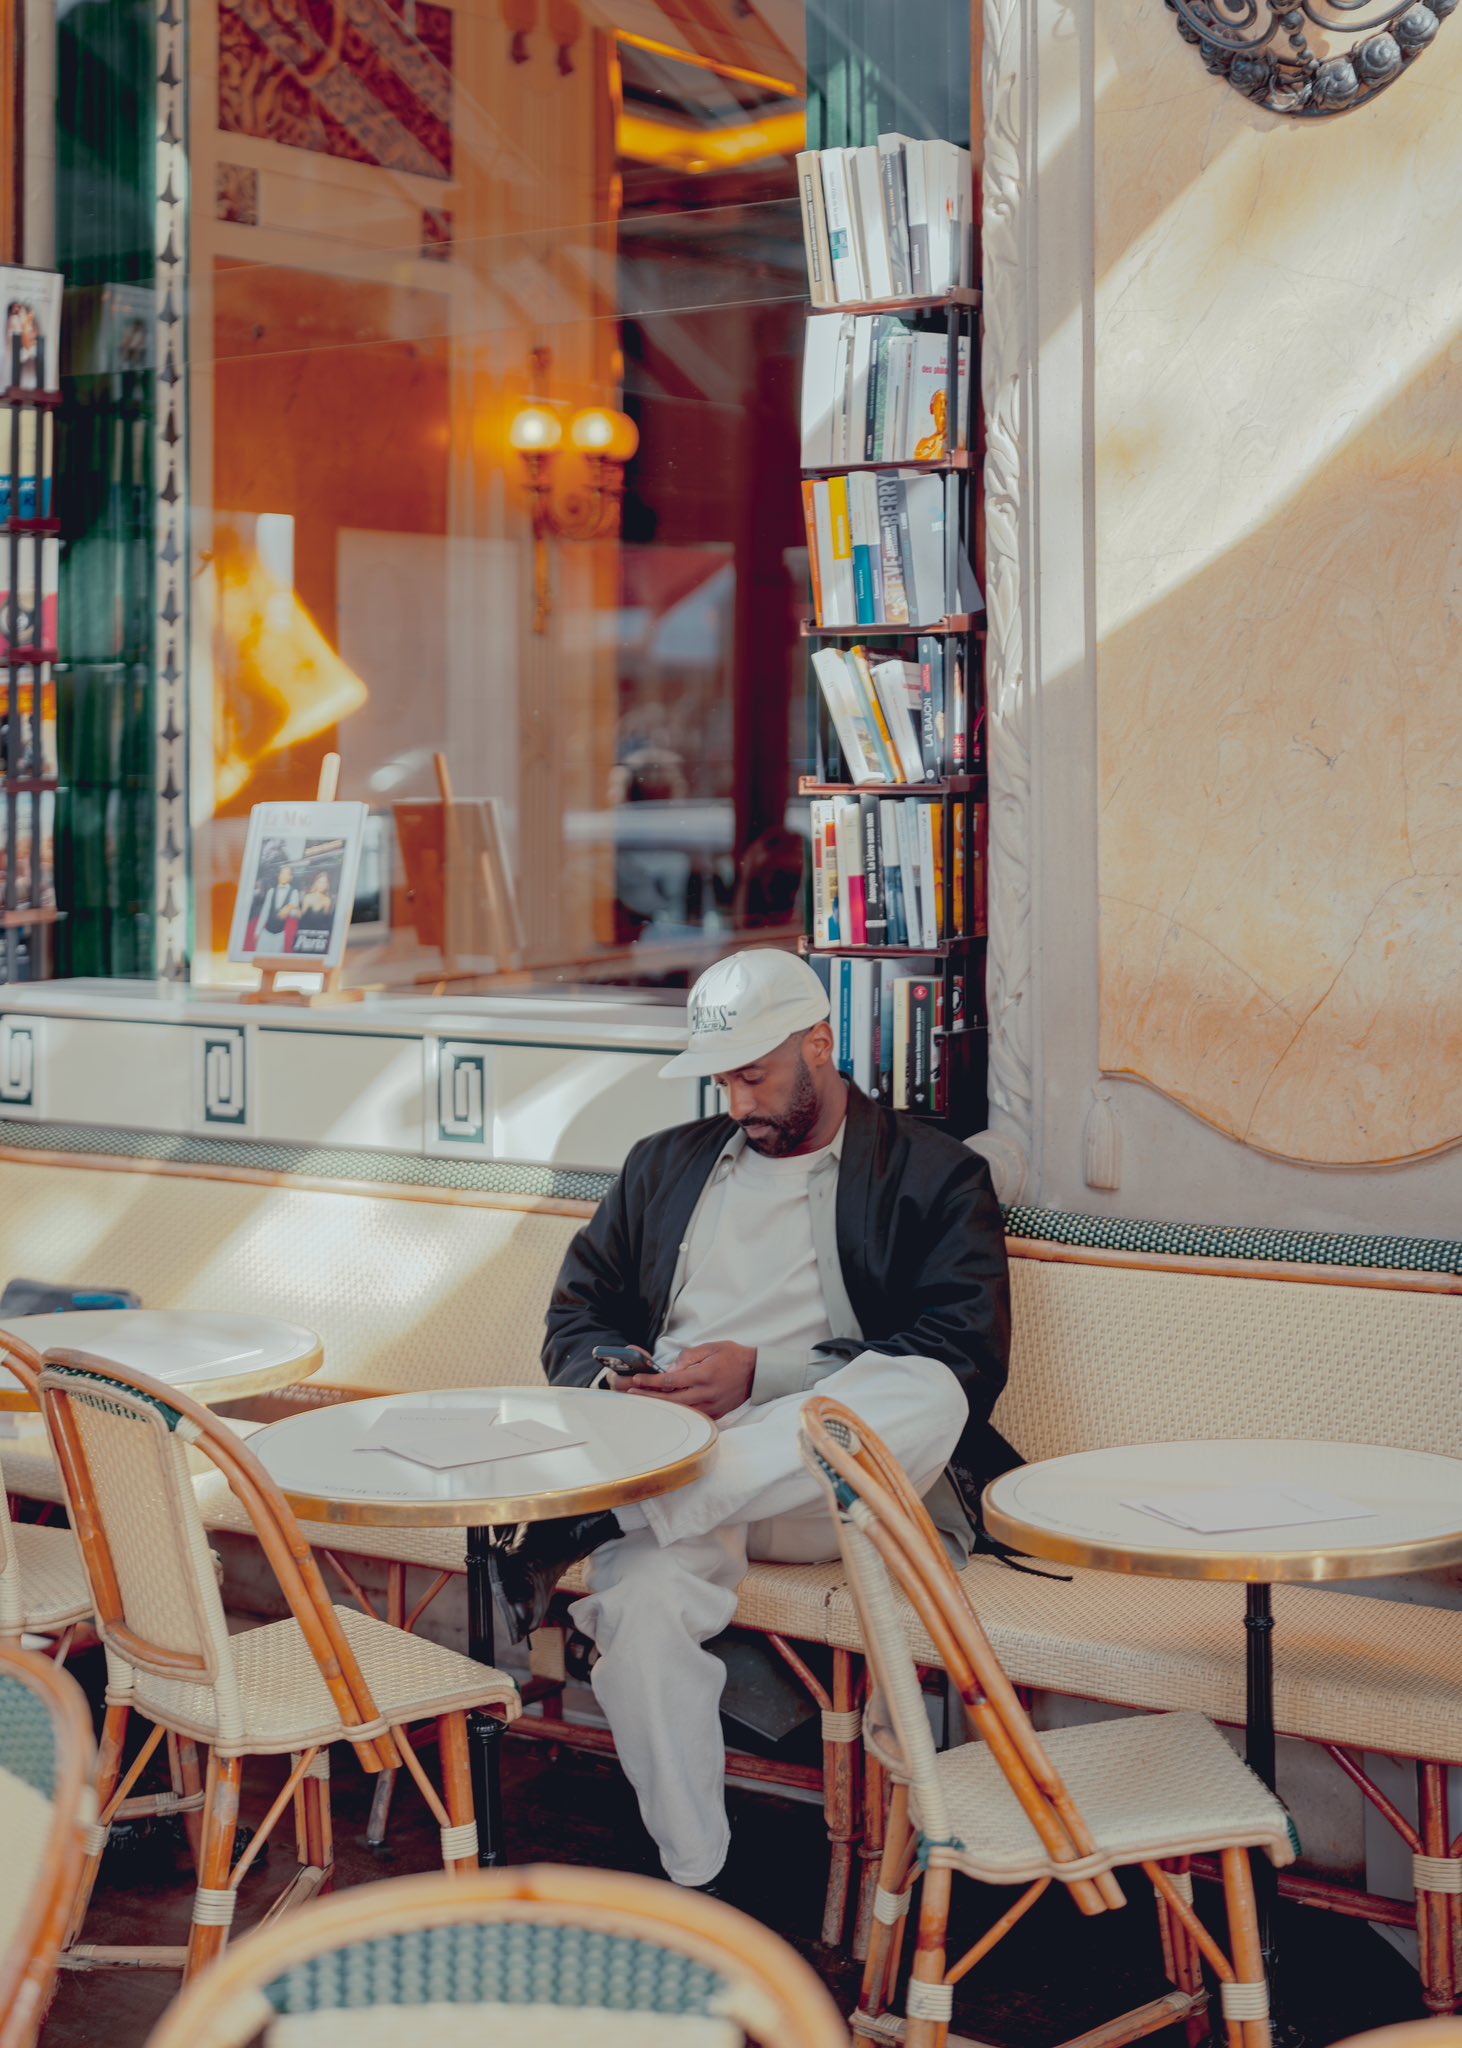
(624, 1359)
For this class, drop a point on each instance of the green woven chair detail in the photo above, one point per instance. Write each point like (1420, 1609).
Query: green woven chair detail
(512, 1964)
(1235, 1241)
(27, 1737)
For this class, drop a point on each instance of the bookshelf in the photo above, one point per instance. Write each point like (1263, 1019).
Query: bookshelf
(28, 774)
(906, 990)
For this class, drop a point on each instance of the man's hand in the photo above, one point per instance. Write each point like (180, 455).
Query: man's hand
(714, 1378)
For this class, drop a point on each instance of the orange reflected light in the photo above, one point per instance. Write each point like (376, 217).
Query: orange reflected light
(535, 430)
(280, 680)
(703, 149)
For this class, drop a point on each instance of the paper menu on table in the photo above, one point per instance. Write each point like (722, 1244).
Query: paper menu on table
(443, 1438)
(1226, 1510)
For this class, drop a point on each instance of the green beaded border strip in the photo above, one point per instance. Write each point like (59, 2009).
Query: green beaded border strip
(346, 1163)
(1236, 1241)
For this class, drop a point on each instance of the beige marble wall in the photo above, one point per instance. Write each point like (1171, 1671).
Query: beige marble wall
(1277, 412)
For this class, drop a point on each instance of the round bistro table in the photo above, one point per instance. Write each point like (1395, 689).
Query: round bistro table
(629, 1451)
(1075, 1510)
(212, 1356)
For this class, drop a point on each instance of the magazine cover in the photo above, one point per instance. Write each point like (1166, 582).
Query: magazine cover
(33, 618)
(30, 301)
(297, 885)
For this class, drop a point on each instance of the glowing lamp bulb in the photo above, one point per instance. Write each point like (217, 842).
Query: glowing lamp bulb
(597, 431)
(535, 430)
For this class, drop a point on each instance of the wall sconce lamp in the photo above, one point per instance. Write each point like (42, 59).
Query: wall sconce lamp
(607, 441)
(1264, 47)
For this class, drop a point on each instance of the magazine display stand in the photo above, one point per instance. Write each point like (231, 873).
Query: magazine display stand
(458, 882)
(957, 965)
(330, 990)
(27, 655)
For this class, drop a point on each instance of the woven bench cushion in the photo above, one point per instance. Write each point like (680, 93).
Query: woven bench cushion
(1364, 1673)
(1146, 1789)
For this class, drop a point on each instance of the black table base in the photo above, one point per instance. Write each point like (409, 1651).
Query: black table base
(485, 1731)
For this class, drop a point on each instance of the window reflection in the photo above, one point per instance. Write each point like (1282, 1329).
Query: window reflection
(394, 211)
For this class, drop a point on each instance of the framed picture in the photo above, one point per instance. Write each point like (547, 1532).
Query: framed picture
(297, 885)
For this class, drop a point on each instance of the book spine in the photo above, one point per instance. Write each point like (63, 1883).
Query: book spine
(921, 1045)
(844, 608)
(850, 874)
(814, 569)
(941, 907)
(901, 1041)
(957, 879)
(896, 216)
(845, 1016)
(893, 872)
(875, 906)
(814, 228)
(821, 893)
(877, 344)
(908, 821)
(931, 671)
(873, 711)
(895, 590)
(928, 875)
(959, 708)
(841, 252)
(979, 855)
(918, 213)
(864, 997)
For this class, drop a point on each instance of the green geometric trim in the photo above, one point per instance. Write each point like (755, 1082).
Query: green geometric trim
(344, 1163)
(1237, 1241)
(509, 1964)
(27, 1737)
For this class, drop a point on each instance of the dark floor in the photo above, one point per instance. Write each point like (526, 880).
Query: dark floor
(1053, 1977)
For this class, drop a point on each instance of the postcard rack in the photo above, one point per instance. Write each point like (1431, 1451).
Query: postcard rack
(28, 653)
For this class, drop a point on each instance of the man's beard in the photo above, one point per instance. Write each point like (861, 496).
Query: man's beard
(776, 1137)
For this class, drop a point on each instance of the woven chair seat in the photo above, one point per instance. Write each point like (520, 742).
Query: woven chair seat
(284, 1699)
(1165, 1785)
(472, 2026)
(53, 1584)
(1360, 1672)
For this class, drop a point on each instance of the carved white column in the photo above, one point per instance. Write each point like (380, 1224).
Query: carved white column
(1008, 367)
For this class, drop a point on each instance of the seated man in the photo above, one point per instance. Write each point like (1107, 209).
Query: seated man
(807, 1239)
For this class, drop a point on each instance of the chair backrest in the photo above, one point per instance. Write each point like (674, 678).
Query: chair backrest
(534, 1942)
(47, 1763)
(25, 1364)
(122, 1442)
(888, 1539)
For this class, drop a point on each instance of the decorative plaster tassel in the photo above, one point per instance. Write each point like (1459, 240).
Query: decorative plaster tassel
(1103, 1141)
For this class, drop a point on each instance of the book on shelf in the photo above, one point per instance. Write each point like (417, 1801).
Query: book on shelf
(876, 389)
(31, 302)
(887, 221)
(31, 844)
(28, 748)
(894, 721)
(888, 1018)
(879, 874)
(876, 545)
(33, 615)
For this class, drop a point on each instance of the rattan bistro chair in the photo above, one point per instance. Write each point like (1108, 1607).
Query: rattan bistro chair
(43, 1589)
(326, 1674)
(1014, 1808)
(47, 1756)
(540, 1955)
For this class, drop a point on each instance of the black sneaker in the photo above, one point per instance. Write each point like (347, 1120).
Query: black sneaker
(525, 1574)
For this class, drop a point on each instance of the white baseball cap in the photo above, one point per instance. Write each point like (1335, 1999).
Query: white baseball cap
(744, 1007)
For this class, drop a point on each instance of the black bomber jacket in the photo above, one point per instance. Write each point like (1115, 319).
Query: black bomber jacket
(920, 1242)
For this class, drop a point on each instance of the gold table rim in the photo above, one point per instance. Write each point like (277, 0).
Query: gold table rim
(496, 1510)
(240, 1386)
(1239, 1565)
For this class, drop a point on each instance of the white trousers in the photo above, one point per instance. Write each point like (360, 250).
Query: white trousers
(669, 1585)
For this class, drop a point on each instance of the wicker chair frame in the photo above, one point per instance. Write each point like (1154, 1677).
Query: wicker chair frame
(28, 1967)
(70, 1380)
(770, 1991)
(886, 1536)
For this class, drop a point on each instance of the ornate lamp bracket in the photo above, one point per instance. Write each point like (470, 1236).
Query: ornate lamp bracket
(1264, 47)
